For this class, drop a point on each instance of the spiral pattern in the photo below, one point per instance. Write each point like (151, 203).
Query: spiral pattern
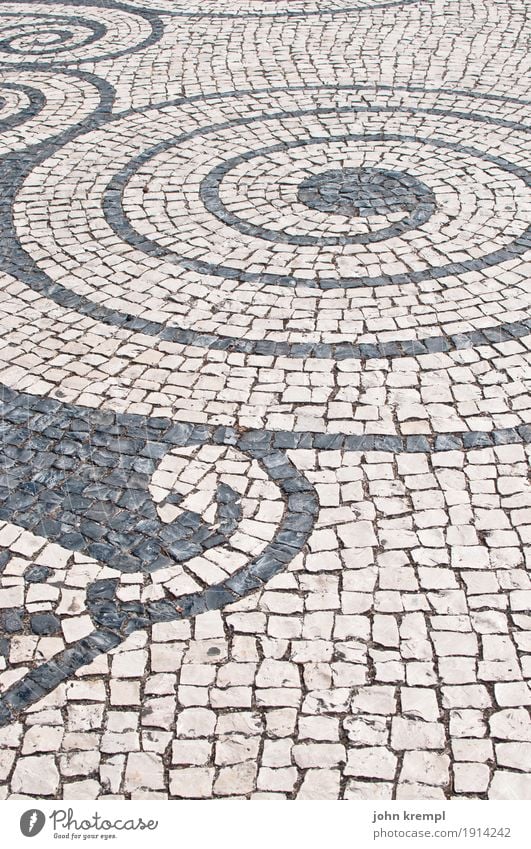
(445, 191)
(63, 34)
(423, 150)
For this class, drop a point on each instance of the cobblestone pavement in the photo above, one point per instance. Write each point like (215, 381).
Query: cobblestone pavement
(264, 360)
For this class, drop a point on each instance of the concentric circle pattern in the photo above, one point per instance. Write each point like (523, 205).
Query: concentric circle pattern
(264, 399)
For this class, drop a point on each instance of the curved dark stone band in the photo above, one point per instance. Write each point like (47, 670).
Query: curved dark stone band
(291, 13)
(98, 31)
(36, 104)
(210, 187)
(118, 220)
(80, 477)
(19, 263)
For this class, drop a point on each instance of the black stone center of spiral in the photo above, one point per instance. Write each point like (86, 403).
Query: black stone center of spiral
(367, 191)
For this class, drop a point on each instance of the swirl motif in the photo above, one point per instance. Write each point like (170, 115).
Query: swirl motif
(50, 35)
(113, 501)
(69, 33)
(351, 193)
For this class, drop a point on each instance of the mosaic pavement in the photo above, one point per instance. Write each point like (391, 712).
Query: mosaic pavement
(264, 300)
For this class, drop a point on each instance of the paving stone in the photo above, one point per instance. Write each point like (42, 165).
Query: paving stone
(236, 780)
(236, 749)
(418, 791)
(144, 770)
(366, 790)
(6, 762)
(374, 762)
(191, 782)
(89, 789)
(511, 724)
(283, 778)
(513, 755)
(320, 785)
(308, 755)
(36, 775)
(425, 768)
(507, 785)
(471, 777)
(42, 739)
(410, 734)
